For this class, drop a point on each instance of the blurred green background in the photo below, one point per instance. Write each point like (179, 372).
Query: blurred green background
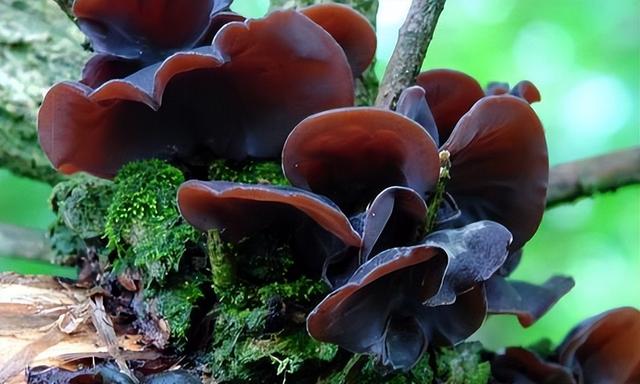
(584, 56)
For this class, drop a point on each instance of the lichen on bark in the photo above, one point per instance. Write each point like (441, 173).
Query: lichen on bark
(39, 46)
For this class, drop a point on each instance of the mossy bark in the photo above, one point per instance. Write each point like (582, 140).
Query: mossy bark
(39, 46)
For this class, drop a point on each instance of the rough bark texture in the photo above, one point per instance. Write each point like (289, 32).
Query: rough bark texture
(38, 47)
(367, 83)
(571, 181)
(413, 40)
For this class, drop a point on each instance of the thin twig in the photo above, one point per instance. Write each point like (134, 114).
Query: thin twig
(571, 181)
(413, 40)
(66, 6)
(24, 242)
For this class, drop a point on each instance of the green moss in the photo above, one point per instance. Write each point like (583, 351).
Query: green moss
(462, 365)
(80, 205)
(251, 172)
(143, 225)
(260, 335)
(176, 305)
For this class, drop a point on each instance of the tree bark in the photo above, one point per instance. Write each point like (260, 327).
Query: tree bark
(24, 242)
(411, 48)
(39, 46)
(572, 181)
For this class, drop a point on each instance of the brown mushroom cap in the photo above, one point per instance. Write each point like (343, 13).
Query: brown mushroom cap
(527, 301)
(351, 154)
(413, 104)
(356, 316)
(605, 348)
(238, 98)
(385, 308)
(238, 210)
(521, 366)
(527, 90)
(450, 94)
(146, 30)
(393, 219)
(499, 166)
(350, 29)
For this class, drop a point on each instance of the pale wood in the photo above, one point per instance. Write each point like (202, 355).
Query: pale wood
(31, 332)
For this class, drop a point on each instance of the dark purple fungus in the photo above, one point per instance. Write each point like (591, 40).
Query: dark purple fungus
(148, 31)
(351, 154)
(602, 349)
(527, 301)
(385, 309)
(350, 29)
(224, 100)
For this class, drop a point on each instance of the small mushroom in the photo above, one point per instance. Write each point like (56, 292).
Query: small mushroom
(350, 29)
(605, 348)
(450, 94)
(525, 300)
(499, 166)
(351, 154)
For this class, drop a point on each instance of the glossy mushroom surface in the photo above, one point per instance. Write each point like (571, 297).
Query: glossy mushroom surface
(351, 154)
(224, 100)
(499, 166)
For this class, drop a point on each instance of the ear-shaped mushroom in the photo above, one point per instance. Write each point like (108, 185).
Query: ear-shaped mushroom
(496, 88)
(238, 210)
(499, 166)
(381, 310)
(376, 311)
(527, 301)
(521, 366)
(526, 90)
(393, 219)
(225, 100)
(352, 154)
(450, 94)
(148, 30)
(106, 66)
(475, 251)
(412, 104)
(350, 29)
(605, 348)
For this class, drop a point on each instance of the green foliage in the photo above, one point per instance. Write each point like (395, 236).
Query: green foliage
(80, 205)
(176, 304)
(462, 365)
(252, 172)
(143, 225)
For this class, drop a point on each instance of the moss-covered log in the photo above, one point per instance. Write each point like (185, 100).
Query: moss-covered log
(39, 46)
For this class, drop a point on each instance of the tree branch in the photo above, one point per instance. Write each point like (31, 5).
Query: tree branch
(413, 40)
(24, 242)
(67, 8)
(571, 181)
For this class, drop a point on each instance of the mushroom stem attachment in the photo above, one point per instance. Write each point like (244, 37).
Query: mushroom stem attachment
(222, 267)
